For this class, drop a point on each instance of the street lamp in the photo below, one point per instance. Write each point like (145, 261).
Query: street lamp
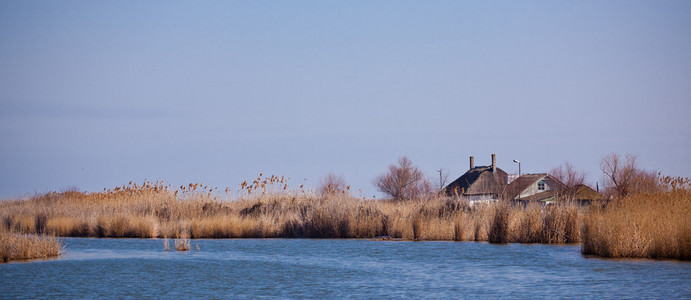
(519, 166)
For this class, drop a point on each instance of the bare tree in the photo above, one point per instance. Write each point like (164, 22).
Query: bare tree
(623, 176)
(646, 182)
(332, 184)
(570, 177)
(443, 178)
(403, 181)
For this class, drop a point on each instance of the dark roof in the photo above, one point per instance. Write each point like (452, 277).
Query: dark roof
(478, 181)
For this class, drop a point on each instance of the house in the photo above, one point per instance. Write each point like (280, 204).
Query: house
(489, 183)
(586, 195)
(544, 188)
(479, 184)
(540, 187)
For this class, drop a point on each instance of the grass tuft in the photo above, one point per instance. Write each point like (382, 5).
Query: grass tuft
(182, 244)
(18, 246)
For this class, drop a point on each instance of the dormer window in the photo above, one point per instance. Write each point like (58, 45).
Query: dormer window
(541, 185)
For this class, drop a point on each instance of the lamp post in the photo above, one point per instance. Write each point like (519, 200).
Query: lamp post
(519, 167)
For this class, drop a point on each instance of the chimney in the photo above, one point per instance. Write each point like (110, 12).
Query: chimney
(472, 162)
(494, 162)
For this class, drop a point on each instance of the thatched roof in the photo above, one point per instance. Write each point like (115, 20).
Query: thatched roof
(478, 181)
(586, 193)
(519, 185)
(580, 192)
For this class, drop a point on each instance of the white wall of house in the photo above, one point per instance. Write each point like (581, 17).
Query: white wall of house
(480, 198)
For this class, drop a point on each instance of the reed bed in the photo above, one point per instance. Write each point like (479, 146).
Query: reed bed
(17, 246)
(641, 226)
(153, 210)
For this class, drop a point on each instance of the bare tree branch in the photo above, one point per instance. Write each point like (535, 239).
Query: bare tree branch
(403, 181)
(443, 178)
(623, 177)
(570, 177)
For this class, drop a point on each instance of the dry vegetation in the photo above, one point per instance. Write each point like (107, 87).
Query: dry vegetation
(16, 246)
(639, 225)
(644, 225)
(263, 211)
(182, 244)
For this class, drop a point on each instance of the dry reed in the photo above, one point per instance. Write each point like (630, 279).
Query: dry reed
(153, 210)
(182, 244)
(641, 225)
(265, 208)
(17, 246)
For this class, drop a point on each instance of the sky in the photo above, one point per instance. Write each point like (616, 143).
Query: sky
(96, 94)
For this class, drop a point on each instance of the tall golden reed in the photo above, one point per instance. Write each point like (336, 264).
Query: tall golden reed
(17, 246)
(154, 210)
(642, 226)
(652, 225)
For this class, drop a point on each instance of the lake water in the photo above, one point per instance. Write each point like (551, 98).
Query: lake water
(306, 268)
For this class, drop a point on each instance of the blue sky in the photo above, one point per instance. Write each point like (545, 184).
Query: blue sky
(95, 94)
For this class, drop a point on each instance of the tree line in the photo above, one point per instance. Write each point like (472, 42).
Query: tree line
(621, 176)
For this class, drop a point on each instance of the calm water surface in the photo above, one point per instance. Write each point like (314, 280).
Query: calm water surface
(304, 268)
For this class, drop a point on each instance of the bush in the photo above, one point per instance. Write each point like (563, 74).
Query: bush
(332, 184)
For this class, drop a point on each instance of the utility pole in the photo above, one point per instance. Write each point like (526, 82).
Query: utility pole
(442, 180)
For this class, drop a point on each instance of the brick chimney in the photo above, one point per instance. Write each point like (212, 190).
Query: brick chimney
(494, 162)
(472, 162)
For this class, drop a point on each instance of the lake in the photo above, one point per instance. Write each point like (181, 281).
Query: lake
(308, 268)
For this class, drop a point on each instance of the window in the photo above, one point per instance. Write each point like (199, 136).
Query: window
(541, 186)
